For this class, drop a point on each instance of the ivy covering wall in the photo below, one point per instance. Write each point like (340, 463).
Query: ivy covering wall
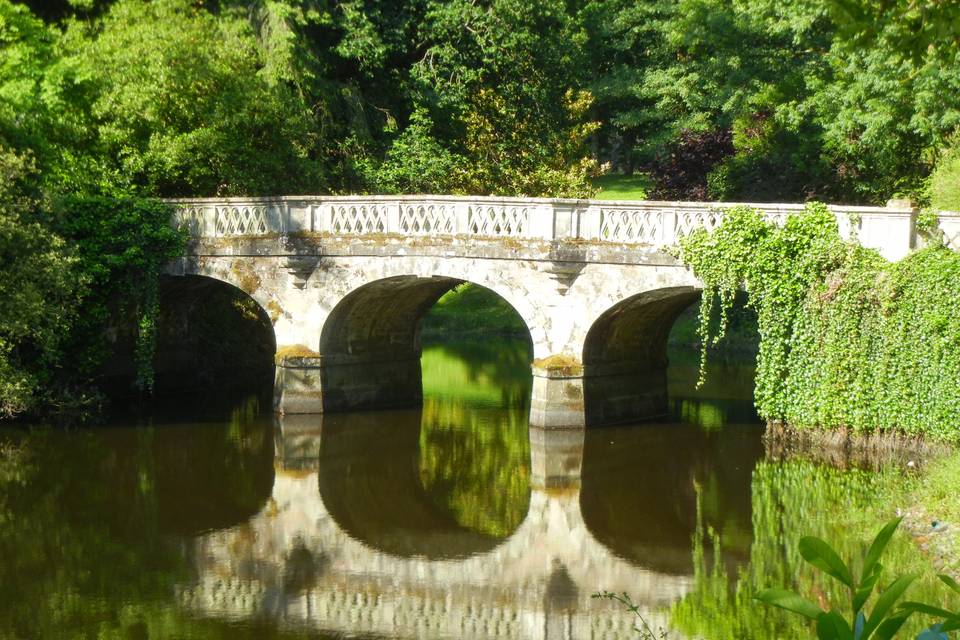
(848, 340)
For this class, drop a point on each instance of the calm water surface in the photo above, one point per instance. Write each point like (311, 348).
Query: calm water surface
(453, 521)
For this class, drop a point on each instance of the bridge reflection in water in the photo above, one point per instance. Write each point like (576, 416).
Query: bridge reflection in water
(362, 535)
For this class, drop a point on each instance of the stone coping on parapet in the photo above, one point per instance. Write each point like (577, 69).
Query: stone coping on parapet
(897, 209)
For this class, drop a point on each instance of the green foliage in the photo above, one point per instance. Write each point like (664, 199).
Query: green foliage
(511, 152)
(945, 182)
(417, 163)
(198, 118)
(884, 621)
(847, 339)
(122, 245)
(40, 287)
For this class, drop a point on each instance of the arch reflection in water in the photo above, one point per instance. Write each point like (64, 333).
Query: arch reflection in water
(314, 559)
(642, 485)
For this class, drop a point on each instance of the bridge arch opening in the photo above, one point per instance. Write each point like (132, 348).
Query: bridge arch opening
(642, 356)
(212, 338)
(625, 356)
(371, 342)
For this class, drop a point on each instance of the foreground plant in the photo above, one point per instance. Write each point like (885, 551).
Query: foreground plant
(645, 630)
(886, 619)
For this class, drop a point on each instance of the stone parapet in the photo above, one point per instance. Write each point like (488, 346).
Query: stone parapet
(890, 229)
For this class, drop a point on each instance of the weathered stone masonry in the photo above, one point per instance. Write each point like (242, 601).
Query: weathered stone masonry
(345, 281)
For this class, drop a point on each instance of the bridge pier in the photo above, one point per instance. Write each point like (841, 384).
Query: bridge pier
(569, 397)
(347, 383)
(297, 385)
(556, 398)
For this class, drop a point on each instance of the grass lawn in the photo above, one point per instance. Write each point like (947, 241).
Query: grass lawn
(621, 187)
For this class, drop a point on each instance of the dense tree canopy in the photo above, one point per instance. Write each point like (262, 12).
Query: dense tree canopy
(833, 99)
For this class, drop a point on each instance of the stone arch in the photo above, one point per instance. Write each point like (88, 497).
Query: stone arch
(370, 342)
(514, 282)
(625, 355)
(211, 333)
(381, 318)
(634, 331)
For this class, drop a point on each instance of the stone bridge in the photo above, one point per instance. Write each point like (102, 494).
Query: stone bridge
(300, 561)
(346, 280)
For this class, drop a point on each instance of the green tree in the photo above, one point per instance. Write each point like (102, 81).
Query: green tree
(40, 287)
(180, 106)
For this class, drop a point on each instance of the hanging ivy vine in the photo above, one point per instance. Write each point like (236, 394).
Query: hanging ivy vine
(847, 339)
(122, 245)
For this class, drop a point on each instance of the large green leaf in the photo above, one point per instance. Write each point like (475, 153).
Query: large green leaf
(889, 627)
(822, 556)
(791, 602)
(950, 582)
(920, 607)
(879, 544)
(832, 626)
(863, 592)
(885, 603)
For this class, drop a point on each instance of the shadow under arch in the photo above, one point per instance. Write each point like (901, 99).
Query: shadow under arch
(370, 343)
(211, 335)
(625, 356)
(369, 482)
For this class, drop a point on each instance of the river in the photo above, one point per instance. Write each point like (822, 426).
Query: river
(212, 518)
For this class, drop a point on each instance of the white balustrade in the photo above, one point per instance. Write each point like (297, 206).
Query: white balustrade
(890, 229)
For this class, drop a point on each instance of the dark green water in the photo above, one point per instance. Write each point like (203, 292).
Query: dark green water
(222, 521)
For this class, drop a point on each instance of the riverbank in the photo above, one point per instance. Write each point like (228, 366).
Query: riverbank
(929, 501)
(843, 448)
(918, 480)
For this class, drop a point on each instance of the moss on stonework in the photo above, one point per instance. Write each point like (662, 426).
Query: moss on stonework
(561, 364)
(294, 351)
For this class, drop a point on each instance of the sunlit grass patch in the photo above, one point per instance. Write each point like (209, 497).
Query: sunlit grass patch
(621, 187)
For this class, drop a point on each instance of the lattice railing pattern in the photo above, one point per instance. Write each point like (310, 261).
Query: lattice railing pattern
(358, 218)
(631, 225)
(498, 220)
(241, 221)
(428, 219)
(688, 221)
(191, 219)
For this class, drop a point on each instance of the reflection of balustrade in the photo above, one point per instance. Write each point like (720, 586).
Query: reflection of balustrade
(535, 583)
(890, 229)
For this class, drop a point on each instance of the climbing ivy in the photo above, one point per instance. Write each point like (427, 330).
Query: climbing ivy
(122, 245)
(848, 340)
